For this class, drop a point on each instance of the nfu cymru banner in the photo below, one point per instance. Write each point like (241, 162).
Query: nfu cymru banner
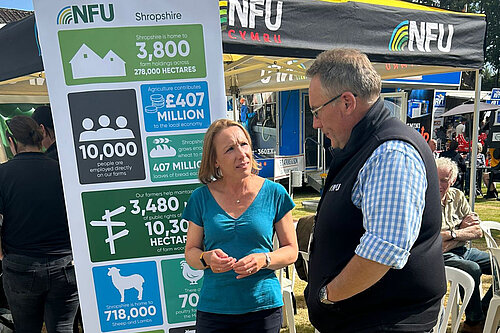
(133, 87)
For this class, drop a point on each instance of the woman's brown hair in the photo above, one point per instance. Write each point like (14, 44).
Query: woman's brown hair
(25, 131)
(208, 172)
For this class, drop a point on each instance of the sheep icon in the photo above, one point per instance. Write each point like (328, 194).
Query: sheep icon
(192, 275)
(123, 283)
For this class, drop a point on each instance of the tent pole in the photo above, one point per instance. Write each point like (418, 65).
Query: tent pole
(236, 113)
(473, 153)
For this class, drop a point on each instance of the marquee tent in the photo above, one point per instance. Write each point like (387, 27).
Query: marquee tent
(268, 44)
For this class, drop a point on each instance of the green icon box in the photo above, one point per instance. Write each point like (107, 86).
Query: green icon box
(125, 54)
(136, 222)
(174, 157)
(182, 285)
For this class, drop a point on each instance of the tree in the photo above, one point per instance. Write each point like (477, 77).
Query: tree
(492, 10)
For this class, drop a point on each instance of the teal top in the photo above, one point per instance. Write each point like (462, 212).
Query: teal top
(252, 232)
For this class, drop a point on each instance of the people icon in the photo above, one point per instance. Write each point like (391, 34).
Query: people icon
(122, 132)
(105, 132)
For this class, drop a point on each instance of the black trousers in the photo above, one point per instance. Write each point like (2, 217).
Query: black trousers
(265, 321)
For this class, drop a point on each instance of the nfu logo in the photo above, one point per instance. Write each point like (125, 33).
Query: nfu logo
(248, 10)
(85, 14)
(425, 35)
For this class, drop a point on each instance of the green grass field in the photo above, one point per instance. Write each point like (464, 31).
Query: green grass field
(486, 209)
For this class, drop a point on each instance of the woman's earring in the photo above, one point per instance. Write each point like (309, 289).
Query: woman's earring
(218, 173)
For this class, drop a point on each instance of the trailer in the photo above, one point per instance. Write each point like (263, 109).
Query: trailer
(262, 38)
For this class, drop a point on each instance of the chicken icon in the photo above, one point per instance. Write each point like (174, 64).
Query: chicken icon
(192, 275)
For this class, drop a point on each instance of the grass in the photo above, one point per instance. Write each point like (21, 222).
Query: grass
(487, 210)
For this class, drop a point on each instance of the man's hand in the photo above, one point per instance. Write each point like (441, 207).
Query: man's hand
(469, 220)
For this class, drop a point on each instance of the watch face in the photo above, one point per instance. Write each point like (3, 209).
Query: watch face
(323, 297)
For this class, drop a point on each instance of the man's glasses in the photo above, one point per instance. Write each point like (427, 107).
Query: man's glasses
(316, 110)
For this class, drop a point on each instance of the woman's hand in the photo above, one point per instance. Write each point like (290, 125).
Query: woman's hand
(219, 261)
(249, 265)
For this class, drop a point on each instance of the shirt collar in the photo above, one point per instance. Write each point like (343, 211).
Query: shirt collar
(447, 198)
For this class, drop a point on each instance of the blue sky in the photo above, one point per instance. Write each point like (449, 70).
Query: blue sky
(17, 4)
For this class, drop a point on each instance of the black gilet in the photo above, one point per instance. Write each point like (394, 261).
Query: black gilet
(406, 299)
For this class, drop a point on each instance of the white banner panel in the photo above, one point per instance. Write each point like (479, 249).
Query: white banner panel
(133, 87)
(283, 165)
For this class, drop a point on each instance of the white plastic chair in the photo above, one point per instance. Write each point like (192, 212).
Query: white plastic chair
(493, 315)
(457, 278)
(487, 226)
(305, 256)
(287, 285)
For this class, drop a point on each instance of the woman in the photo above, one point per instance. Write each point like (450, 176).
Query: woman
(38, 271)
(232, 220)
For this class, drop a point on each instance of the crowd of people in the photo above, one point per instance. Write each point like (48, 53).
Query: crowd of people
(487, 163)
(37, 263)
(388, 222)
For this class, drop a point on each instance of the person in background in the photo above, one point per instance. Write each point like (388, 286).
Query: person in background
(38, 271)
(441, 135)
(232, 219)
(460, 224)
(433, 145)
(480, 159)
(450, 132)
(375, 259)
(460, 129)
(494, 171)
(43, 116)
(452, 153)
(244, 112)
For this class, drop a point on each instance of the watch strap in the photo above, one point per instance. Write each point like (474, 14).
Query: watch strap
(203, 262)
(453, 234)
(268, 260)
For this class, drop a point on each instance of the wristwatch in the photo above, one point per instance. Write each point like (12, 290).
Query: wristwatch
(453, 234)
(203, 262)
(268, 260)
(323, 296)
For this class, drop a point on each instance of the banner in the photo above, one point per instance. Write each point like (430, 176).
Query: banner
(133, 87)
(396, 32)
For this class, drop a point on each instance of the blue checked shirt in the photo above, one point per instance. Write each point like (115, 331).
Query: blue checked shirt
(390, 191)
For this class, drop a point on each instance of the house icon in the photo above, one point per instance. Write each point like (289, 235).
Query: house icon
(87, 64)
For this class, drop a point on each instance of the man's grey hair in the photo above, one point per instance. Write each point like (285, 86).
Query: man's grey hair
(341, 70)
(447, 164)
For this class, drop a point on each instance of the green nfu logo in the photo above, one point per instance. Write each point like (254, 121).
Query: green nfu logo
(85, 14)
(423, 35)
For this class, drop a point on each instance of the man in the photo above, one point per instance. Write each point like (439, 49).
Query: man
(433, 145)
(43, 116)
(459, 225)
(460, 129)
(375, 262)
(452, 153)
